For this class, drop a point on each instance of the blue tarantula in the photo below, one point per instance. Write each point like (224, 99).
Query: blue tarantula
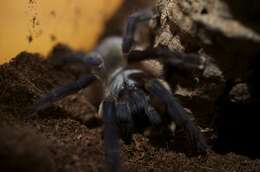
(132, 97)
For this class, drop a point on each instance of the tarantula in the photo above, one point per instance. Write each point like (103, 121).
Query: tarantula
(132, 99)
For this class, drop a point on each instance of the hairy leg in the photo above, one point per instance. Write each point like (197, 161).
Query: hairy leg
(90, 59)
(176, 59)
(124, 120)
(133, 21)
(62, 92)
(110, 136)
(178, 114)
(153, 115)
(134, 110)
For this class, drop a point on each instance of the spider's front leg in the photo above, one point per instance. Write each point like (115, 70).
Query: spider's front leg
(124, 120)
(110, 136)
(178, 114)
(133, 112)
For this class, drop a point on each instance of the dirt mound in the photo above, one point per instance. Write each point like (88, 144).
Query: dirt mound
(24, 79)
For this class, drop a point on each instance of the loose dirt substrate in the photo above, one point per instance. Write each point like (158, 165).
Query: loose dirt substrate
(58, 139)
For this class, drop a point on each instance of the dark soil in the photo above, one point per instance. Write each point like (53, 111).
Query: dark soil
(66, 136)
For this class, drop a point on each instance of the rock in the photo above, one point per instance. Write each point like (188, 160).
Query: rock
(227, 33)
(239, 93)
(211, 25)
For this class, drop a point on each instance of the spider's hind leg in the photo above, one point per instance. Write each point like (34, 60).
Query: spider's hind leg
(177, 114)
